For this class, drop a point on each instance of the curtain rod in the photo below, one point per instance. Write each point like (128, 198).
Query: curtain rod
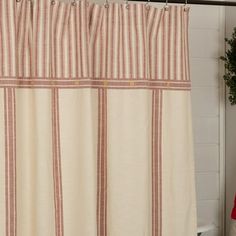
(195, 2)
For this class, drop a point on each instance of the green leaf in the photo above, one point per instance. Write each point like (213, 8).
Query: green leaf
(230, 66)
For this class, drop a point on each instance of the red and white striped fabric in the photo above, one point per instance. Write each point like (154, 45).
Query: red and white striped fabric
(233, 222)
(233, 214)
(95, 120)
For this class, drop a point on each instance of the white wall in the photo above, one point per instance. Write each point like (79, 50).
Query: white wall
(206, 44)
(230, 132)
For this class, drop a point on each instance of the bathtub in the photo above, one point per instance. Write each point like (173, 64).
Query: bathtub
(204, 227)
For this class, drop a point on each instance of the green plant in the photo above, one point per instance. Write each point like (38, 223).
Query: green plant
(230, 66)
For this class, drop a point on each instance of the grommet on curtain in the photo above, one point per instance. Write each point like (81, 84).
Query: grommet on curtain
(126, 4)
(166, 7)
(106, 4)
(147, 5)
(18, 0)
(73, 3)
(185, 5)
(53, 2)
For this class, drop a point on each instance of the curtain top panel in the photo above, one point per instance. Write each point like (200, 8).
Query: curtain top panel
(56, 44)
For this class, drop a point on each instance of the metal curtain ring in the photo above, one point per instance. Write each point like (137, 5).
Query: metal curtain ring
(185, 5)
(147, 5)
(126, 4)
(106, 4)
(166, 7)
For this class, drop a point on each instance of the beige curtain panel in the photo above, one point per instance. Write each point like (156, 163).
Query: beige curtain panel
(95, 120)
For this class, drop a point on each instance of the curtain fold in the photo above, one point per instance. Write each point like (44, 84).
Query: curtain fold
(95, 120)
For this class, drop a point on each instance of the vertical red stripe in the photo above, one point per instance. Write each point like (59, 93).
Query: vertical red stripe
(25, 36)
(181, 46)
(96, 29)
(130, 52)
(10, 160)
(62, 39)
(118, 41)
(10, 163)
(18, 22)
(184, 45)
(81, 43)
(30, 51)
(101, 52)
(88, 24)
(175, 43)
(85, 39)
(187, 28)
(35, 38)
(169, 49)
(160, 161)
(105, 159)
(107, 42)
(70, 46)
(51, 40)
(164, 44)
(98, 162)
(21, 22)
(55, 36)
(123, 42)
(57, 176)
(186, 21)
(144, 34)
(45, 39)
(78, 41)
(9, 39)
(137, 49)
(157, 45)
(6, 160)
(150, 44)
(102, 164)
(112, 30)
(154, 45)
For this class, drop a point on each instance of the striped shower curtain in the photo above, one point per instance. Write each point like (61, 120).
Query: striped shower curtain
(95, 120)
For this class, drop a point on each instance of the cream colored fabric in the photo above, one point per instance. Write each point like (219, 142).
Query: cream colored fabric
(177, 167)
(95, 120)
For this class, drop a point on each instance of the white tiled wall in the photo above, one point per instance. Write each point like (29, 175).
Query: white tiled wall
(205, 48)
(230, 134)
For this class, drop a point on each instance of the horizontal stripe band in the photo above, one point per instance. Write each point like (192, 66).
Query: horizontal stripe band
(95, 83)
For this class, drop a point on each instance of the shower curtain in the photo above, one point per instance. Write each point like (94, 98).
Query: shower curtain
(95, 120)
